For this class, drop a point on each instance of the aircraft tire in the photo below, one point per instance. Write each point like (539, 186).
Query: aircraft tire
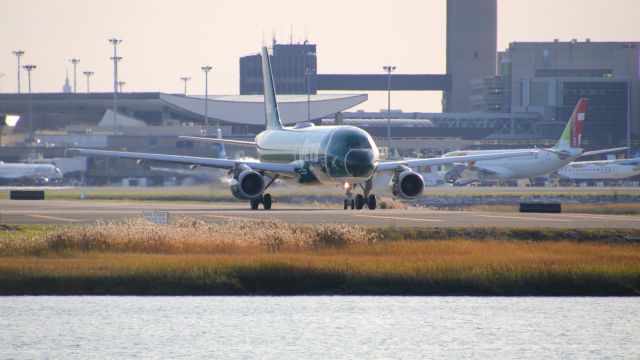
(353, 204)
(359, 202)
(254, 203)
(266, 201)
(372, 202)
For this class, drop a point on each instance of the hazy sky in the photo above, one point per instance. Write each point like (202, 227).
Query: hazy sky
(165, 40)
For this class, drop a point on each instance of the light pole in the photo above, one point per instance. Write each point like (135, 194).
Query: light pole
(206, 70)
(88, 75)
(628, 48)
(185, 79)
(75, 64)
(115, 59)
(18, 54)
(389, 69)
(121, 84)
(29, 69)
(307, 72)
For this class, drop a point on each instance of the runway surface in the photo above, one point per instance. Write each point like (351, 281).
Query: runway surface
(78, 212)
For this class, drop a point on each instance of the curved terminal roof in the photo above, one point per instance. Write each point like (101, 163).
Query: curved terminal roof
(249, 109)
(61, 109)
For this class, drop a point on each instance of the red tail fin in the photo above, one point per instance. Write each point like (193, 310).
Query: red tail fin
(578, 122)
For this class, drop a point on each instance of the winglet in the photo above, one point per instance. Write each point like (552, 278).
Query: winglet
(572, 134)
(272, 118)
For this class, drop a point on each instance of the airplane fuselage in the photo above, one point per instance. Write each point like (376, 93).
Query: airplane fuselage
(536, 164)
(16, 172)
(599, 171)
(327, 155)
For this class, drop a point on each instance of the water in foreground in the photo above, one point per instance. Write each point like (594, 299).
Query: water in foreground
(318, 327)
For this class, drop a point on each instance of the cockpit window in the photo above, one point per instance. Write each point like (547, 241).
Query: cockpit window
(342, 142)
(348, 139)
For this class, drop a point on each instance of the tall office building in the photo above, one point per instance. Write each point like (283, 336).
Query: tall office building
(289, 65)
(471, 48)
(550, 77)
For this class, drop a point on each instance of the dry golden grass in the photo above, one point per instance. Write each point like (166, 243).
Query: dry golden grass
(187, 235)
(271, 257)
(444, 267)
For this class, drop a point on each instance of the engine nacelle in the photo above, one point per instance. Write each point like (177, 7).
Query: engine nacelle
(247, 185)
(407, 185)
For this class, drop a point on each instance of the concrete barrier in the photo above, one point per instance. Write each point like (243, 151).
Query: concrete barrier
(541, 207)
(26, 195)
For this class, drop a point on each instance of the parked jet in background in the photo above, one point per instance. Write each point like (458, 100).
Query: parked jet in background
(305, 154)
(533, 165)
(600, 170)
(18, 173)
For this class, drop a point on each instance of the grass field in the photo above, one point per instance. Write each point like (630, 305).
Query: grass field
(270, 257)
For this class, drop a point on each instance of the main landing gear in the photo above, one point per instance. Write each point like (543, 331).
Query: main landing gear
(264, 199)
(360, 200)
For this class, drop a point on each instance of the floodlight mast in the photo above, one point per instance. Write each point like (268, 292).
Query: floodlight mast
(115, 59)
(389, 69)
(29, 69)
(18, 54)
(206, 70)
(88, 75)
(185, 79)
(75, 83)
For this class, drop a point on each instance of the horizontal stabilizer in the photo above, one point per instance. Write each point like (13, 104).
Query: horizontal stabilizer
(603, 151)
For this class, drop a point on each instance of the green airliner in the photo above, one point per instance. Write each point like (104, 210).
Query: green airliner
(306, 154)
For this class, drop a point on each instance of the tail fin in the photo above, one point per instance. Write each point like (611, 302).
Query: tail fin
(272, 118)
(572, 133)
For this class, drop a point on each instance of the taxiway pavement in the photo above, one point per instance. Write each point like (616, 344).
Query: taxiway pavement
(86, 211)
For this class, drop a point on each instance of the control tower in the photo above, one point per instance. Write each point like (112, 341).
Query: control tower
(471, 48)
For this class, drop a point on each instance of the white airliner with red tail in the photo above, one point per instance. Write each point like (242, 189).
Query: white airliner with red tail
(535, 164)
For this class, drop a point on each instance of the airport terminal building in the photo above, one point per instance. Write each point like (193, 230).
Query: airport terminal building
(548, 78)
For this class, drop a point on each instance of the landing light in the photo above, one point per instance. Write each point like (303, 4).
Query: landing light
(346, 185)
(11, 120)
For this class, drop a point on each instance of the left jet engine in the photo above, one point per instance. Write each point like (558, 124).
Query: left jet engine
(247, 185)
(407, 185)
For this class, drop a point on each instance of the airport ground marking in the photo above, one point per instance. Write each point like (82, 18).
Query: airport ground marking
(521, 218)
(397, 218)
(603, 216)
(232, 217)
(53, 218)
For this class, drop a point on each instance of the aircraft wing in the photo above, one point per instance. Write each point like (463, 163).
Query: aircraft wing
(603, 151)
(282, 169)
(411, 163)
(218, 140)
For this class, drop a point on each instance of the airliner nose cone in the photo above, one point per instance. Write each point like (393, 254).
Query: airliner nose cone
(359, 163)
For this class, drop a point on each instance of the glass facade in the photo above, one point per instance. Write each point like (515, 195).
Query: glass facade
(289, 63)
(574, 72)
(606, 121)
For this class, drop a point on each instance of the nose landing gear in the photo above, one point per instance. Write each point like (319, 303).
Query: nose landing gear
(360, 200)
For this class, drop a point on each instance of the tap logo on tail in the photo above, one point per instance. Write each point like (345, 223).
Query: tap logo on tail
(578, 122)
(572, 134)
